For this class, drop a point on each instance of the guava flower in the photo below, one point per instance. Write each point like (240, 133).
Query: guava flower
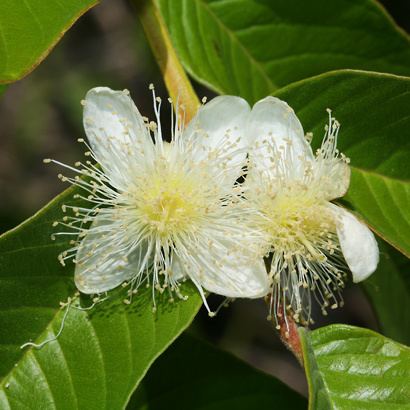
(162, 212)
(310, 243)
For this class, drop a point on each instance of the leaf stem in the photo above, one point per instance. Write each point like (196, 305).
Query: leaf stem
(175, 78)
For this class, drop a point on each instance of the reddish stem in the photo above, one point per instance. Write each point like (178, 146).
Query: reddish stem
(289, 334)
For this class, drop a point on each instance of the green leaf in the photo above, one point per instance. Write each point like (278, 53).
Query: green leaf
(101, 354)
(389, 294)
(373, 112)
(209, 379)
(30, 29)
(250, 48)
(352, 368)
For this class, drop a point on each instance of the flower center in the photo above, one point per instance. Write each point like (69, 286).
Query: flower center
(299, 224)
(168, 212)
(171, 204)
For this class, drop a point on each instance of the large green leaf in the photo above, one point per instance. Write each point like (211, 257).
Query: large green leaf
(389, 293)
(30, 29)
(209, 379)
(352, 368)
(101, 355)
(252, 47)
(373, 111)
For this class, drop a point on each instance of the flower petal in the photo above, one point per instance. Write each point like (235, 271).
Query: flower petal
(216, 135)
(101, 264)
(176, 269)
(225, 270)
(272, 125)
(358, 245)
(116, 131)
(332, 177)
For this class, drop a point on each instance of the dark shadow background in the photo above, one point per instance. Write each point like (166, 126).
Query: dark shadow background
(41, 117)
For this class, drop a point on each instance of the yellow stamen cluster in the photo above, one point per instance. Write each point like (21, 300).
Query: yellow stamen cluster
(297, 223)
(170, 204)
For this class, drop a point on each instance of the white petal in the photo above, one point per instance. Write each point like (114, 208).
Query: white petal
(226, 272)
(332, 178)
(116, 131)
(217, 136)
(101, 264)
(177, 271)
(273, 123)
(358, 245)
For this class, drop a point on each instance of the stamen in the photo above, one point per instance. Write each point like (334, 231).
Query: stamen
(40, 345)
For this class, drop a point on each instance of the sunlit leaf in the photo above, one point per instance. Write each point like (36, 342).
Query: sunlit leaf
(250, 48)
(352, 368)
(30, 29)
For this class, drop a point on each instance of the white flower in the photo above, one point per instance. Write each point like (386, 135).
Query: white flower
(311, 242)
(161, 212)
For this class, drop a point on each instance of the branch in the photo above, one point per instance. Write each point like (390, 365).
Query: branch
(176, 80)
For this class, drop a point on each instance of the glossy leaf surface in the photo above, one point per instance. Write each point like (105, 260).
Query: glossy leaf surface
(30, 29)
(250, 48)
(353, 368)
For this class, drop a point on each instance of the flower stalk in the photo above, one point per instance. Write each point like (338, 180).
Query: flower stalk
(178, 85)
(288, 332)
